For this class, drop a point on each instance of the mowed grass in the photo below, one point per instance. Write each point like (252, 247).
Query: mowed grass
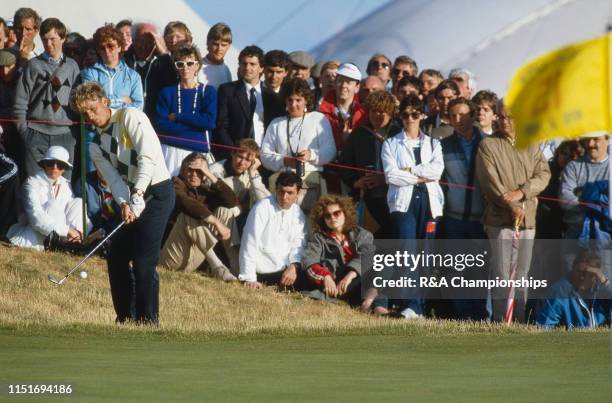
(222, 342)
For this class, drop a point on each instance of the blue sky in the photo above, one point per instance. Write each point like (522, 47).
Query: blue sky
(287, 25)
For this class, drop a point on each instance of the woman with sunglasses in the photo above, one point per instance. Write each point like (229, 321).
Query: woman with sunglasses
(332, 258)
(186, 112)
(413, 164)
(49, 205)
(122, 84)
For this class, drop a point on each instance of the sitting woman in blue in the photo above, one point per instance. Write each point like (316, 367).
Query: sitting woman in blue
(186, 112)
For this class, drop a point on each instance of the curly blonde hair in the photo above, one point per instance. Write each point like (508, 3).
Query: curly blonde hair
(346, 205)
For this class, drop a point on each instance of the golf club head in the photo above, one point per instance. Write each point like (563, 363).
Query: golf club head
(55, 280)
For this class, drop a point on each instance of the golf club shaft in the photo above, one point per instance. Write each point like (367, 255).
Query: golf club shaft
(93, 250)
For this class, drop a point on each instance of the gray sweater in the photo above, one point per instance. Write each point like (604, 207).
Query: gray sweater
(43, 94)
(574, 177)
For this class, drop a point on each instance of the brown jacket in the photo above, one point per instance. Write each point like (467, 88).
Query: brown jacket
(199, 202)
(502, 168)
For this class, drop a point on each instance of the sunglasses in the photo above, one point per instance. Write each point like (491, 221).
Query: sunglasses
(108, 46)
(334, 214)
(414, 115)
(380, 64)
(181, 64)
(53, 163)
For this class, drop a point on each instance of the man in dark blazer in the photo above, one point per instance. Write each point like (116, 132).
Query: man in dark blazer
(245, 107)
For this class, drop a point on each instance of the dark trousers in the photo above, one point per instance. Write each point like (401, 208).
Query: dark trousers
(37, 143)
(411, 226)
(475, 307)
(135, 292)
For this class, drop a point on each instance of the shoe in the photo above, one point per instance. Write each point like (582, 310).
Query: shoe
(410, 314)
(223, 273)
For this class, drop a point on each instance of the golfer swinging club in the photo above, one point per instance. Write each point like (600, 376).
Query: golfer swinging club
(127, 151)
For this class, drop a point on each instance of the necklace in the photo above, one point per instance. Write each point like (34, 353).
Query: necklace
(195, 97)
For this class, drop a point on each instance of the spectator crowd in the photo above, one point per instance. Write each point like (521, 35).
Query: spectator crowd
(286, 175)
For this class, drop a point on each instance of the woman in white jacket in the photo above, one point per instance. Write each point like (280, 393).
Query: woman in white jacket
(301, 142)
(413, 164)
(49, 204)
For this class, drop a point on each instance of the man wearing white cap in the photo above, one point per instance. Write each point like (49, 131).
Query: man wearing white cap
(344, 112)
(592, 170)
(342, 108)
(49, 204)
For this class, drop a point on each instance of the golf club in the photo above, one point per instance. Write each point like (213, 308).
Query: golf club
(57, 281)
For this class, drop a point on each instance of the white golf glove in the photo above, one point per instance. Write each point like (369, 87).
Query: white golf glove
(137, 204)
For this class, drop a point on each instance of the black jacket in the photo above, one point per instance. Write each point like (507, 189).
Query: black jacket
(234, 122)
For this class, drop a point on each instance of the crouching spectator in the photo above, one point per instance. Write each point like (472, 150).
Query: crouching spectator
(201, 219)
(241, 173)
(49, 204)
(573, 301)
(274, 238)
(333, 256)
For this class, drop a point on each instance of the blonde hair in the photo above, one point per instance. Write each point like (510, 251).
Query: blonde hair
(90, 91)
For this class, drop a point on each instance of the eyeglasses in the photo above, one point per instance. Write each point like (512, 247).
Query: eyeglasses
(380, 64)
(107, 46)
(182, 64)
(53, 163)
(414, 115)
(334, 214)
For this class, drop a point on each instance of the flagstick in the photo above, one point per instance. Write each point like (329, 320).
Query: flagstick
(609, 118)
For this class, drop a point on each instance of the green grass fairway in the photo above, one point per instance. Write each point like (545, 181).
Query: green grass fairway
(393, 367)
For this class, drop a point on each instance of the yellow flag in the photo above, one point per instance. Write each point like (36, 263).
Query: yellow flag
(564, 93)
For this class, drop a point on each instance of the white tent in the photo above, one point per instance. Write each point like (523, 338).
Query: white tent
(489, 37)
(86, 16)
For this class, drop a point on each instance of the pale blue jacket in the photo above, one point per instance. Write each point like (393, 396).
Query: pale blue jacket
(117, 83)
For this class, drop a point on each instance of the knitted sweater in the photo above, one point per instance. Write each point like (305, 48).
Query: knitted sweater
(43, 94)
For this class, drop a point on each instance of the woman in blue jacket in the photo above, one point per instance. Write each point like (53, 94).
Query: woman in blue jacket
(187, 112)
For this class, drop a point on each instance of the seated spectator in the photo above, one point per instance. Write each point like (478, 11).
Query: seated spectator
(49, 204)
(333, 256)
(241, 173)
(176, 33)
(301, 142)
(186, 112)
(274, 238)
(214, 71)
(485, 102)
(573, 302)
(9, 185)
(122, 84)
(362, 150)
(199, 219)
